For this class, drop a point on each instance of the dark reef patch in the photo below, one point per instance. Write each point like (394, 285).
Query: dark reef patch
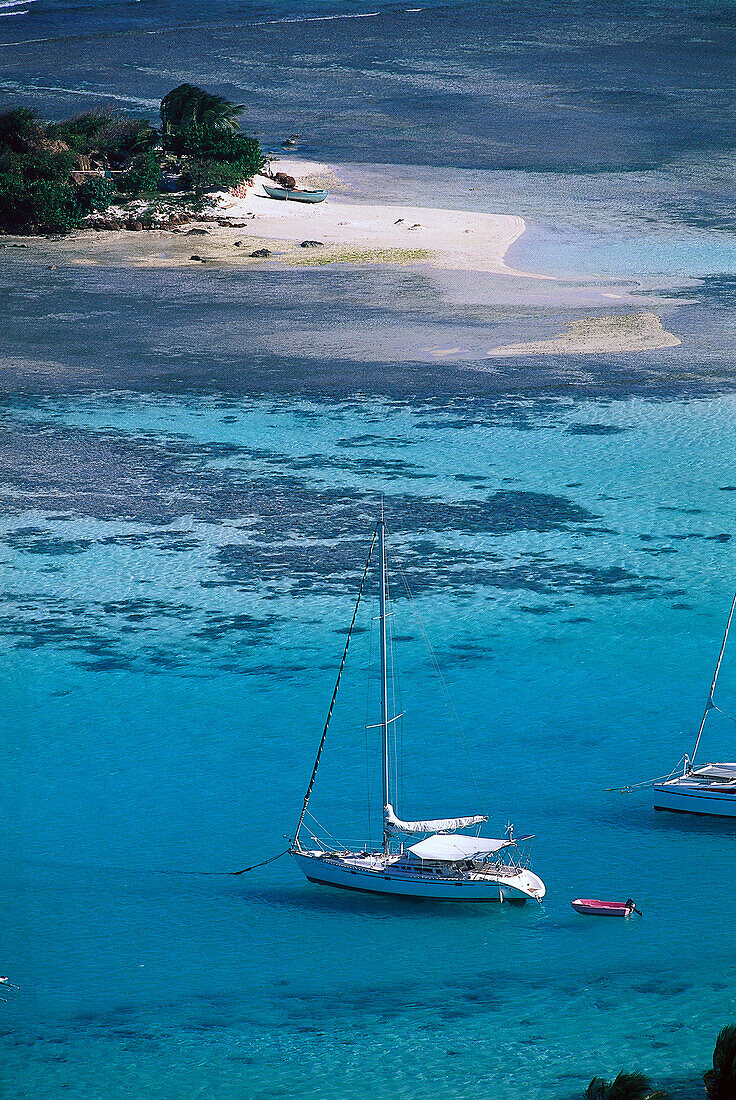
(127, 634)
(41, 540)
(595, 429)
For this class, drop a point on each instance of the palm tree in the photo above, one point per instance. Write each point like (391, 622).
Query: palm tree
(720, 1082)
(189, 105)
(627, 1086)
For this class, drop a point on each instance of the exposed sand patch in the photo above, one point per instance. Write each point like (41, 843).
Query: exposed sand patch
(309, 173)
(452, 239)
(219, 247)
(623, 332)
(440, 352)
(20, 365)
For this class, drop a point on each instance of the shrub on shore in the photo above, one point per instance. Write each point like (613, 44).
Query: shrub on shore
(36, 191)
(106, 134)
(54, 174)
(211, 158)
(626, 1086)
(720, 1081)
(95, 194)
(203, 130)
(142, 176)
(82, 133)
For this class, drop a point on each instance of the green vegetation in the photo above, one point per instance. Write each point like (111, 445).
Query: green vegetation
(720, 1082)
(142, 175)
(35, 176)
(626, 1086)
(189, 105)
(213, 157)
(54, 174)
(356, 255)
(95, 194)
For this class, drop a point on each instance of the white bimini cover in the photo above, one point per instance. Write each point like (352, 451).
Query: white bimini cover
(439, 825)
(453, 848)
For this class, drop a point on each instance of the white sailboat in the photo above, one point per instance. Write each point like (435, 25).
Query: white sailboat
(708, 789)
(446, 864)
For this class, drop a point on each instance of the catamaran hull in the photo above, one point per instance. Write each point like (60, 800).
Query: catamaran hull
(526, 885)
(707, 803)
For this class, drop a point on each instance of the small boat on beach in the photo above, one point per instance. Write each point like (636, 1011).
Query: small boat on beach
(294, 194)
(448, 864)
(592, 907)
(710, 789)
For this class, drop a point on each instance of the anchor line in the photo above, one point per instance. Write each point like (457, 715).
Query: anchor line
(264, 863)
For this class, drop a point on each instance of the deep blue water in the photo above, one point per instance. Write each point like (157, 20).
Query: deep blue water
(516, 85)
(190, 465)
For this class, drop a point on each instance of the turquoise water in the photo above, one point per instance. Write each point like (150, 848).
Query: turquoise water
(191, 463)
(168, 679)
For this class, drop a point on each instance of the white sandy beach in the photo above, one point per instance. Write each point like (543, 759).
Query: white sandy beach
(452, 239)
(230, 229)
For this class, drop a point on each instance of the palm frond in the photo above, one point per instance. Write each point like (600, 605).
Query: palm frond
(625, 1086)
(720, 1082)
(188, 105)
(596, 1090)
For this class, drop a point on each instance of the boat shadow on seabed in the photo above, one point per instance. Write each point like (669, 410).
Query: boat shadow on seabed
(309, 899)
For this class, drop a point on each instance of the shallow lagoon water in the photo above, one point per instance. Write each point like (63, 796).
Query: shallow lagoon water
(190, 466)
(574, 591)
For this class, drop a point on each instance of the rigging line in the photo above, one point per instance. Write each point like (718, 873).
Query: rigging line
(483, 796)
(368, 774)
(394, 711)
(337, 685)
(398, 709)
(709, 704)
(723, 712)
(399, 726)
(324, 828)
(339, 845)
(647, 782)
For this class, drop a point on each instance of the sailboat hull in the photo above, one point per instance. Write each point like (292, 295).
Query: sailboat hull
(707, 802)
(517, 886)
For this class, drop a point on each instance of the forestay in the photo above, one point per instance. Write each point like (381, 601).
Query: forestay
(438, 825)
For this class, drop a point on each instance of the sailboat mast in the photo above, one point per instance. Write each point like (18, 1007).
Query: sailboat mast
(384, 680)
(710, 704)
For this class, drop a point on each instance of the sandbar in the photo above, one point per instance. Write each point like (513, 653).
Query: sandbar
(621, 332)
(452, 239)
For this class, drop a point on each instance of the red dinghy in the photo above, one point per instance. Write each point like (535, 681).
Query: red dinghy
(593, 908)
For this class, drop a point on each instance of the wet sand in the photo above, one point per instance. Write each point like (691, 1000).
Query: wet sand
(622, 332)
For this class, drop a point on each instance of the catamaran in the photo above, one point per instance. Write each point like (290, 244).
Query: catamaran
(446, 864)
(709, 789)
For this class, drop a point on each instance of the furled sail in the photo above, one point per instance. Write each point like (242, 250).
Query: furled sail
(440, 825)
